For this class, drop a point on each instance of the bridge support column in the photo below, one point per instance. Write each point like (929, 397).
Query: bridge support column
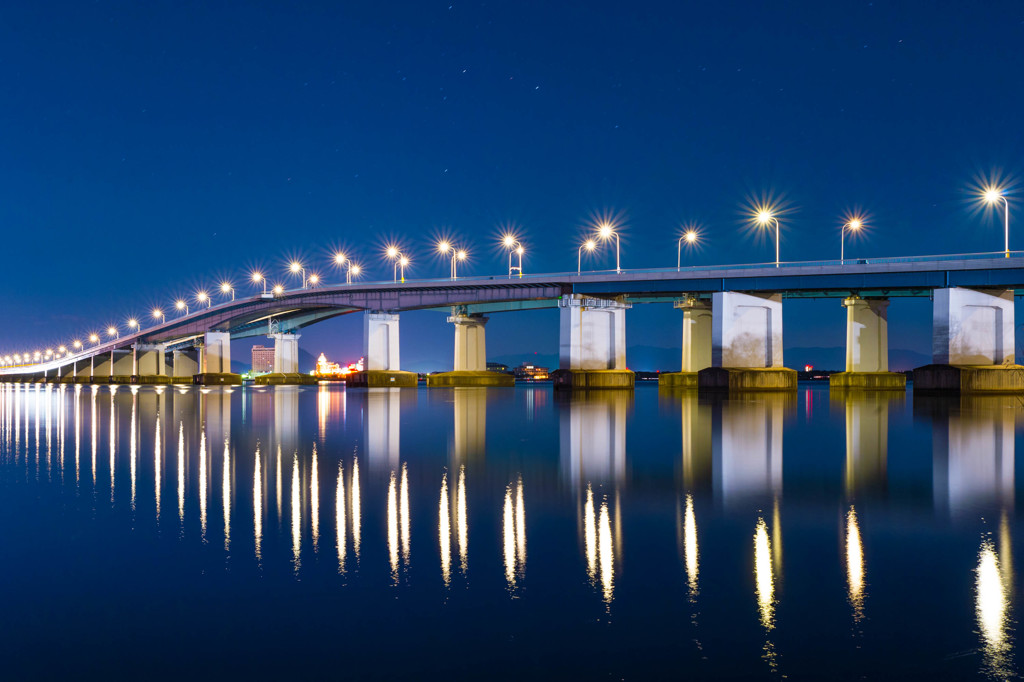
(470, 356)
(867, 347)
(746, 344)
(380, 348)
(151, 364)
(972, 343)
(185, 365)
(592, 344)
(215, 363)
(101, 369)
(123, 367)
(286, 363)
(696, 344)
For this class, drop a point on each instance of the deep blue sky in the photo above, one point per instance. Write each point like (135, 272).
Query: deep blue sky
(148, 148)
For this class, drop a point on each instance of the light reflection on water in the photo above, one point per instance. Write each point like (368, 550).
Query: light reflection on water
(596, 463)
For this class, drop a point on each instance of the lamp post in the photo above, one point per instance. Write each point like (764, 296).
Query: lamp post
(313, 279)
(853, 226)
(690, 237)
(158, 314)
(133, 324)
(589, 245)
(606, 231)
(77, 345)
(340, 259)
(226, 288)
(113, 331)
(399, 259)
(180, 304)
(445, 247)
(297, 268)
(94, 339)
(993, 195)
(764, 219)
(257, 278)
(512, 243)
(402, 262)
(204, 297)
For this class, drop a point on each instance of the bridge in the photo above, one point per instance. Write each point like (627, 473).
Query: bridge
(731, 319)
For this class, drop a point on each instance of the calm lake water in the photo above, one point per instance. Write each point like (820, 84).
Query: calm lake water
(506, 533)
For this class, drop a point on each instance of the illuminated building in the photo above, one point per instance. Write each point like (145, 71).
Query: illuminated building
(531, 372)
(262, 359)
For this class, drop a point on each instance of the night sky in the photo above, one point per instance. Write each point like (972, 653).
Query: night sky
(148, 149)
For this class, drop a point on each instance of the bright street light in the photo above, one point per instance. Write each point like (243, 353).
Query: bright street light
(445, 247)
(113, 331)
(226, 288)
(158, 314)
(94, 338)
(512, 243)
(853, 225)
(589, 245)
(278, 289)
(296, 268)
(257, 278)
(690, 237)
(606, 231)
(352, 269)
(133, 324)
(204, 297)
(764, 218)
(993, 195)
(399, 259)
(313, 279)
(180, 304)
(77, 345)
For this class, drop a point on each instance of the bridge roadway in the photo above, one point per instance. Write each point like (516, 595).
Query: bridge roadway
(292, 310)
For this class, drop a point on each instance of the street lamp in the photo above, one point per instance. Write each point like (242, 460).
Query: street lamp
(159, 315)
(94, 338)
(690, 237)
(278, 289)
(313, 280)
(765, 218)
(606, 231)
(204, 297)
(511, 242)
(341, 259)
(993, 195)
(296, 268)
(113, 331)
(589, 245)
(257, 278)
(445, 247)
(226, 288)
(180, 304)
(77, 345)
(853, 225)
(400, 260)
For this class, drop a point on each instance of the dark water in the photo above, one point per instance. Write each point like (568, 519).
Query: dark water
(506, 533)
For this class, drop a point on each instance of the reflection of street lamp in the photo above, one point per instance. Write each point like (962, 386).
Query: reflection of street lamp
(853, 226)
(765, 218)
(589, 245)
(690, 237)
(606, 231)
(993, 195)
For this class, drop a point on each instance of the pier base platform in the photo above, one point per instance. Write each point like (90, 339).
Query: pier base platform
(286, 379)
(677, 380)
(969, 379)
(382, 378)
(470, 378)
(869, 381)
(747, 379)
(575, 379)
(218, 379)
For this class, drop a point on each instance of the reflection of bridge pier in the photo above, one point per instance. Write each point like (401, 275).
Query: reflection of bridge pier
(382, 427)
(695, 422)
(286, 419)
(747, 444)
(470, 440)
(216, 411)
(593, 436)
(972, 449)
(867, 439)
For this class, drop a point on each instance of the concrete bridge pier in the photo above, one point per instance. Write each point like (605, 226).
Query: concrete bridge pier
(696, 343)
(185, 365)
(215, 361)
(101, 369)
(972, 343)
(867, 347)
(122, 366)
(592, 344)
(380, 350)
(470, 355)
(746, 344)
(150, 362)
(286, 362)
